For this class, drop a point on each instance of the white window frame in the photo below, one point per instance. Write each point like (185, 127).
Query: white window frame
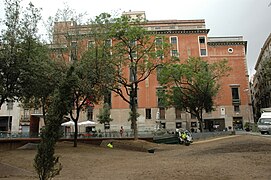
(162, 47)
(177, 46)
(173, 54)
(205, 46)
(91, 42)
(110, 42)
(173, 37)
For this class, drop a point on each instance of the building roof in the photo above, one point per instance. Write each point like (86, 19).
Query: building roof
(227, 40)
(265, 45)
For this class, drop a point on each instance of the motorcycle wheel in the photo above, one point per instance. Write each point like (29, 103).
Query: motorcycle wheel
(187, 143)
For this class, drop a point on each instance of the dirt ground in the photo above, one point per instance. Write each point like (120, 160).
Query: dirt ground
(232, 157)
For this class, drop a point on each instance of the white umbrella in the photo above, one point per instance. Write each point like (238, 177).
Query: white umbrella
(69, 123)
(87, 123)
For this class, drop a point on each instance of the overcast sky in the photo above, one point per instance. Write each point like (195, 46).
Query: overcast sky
(248, 18)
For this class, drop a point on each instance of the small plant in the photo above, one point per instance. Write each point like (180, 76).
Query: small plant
(247, 126)
(104, 115)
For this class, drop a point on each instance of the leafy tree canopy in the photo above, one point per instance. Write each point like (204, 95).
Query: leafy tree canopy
(191, 86)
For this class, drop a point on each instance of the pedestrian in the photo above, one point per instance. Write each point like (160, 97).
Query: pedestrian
(121, 131)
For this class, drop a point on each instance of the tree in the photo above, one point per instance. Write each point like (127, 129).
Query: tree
(85, 90)
(192, 86)
(136, 50)
(43, 77)
(104, 116)
(87, 71)
(46, 163)
(19, 46)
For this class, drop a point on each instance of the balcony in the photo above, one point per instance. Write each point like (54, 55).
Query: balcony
(25, 119)
(236, 101)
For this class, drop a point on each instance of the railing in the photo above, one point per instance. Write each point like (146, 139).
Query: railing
(111, 134)
(236, 101)
(6, 134)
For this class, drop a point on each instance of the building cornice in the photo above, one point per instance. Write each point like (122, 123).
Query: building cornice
(192, 31)
(227, 43)
(265, 45)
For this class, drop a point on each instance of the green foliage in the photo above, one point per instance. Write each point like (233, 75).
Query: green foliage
(266, 70)
(137, 51)
(191, 86)
(85, 85)
(19, 47)
(104, 115)
(46, 163)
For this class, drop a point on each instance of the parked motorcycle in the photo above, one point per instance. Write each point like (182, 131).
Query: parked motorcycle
(185, 137)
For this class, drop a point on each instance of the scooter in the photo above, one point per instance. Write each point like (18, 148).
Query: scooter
(185, 137)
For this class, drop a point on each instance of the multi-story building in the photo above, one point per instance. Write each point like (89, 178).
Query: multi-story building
(189, 39)
(9, 117)
(261, 85)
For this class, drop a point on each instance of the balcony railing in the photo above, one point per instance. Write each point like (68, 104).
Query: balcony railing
(236, 101)
(25, 119)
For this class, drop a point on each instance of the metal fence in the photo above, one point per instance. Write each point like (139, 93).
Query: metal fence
(115, 134)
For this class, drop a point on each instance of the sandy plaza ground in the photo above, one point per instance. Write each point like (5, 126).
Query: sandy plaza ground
(231, 157)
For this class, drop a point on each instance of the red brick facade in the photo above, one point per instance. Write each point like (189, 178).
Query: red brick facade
(192, 40)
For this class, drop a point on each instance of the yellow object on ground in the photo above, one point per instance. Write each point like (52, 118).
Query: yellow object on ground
(110, 145)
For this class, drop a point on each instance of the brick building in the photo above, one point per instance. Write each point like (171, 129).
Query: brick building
(189, 38)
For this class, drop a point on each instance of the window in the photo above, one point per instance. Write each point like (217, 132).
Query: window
(193, 124)
(9, 105)
(235, 95)
(163, 125)
(107, 98)
(134, 55)
(73, 50)
(26, 114)
(108, 43)
(37, 111)
(173, 40)
(178, 125)
(203, 52)
(158, 71)
(91, 44)
(236, 108)
(132, 43)
(162, 113)
(148, 113)
(159, 48)
(202, 40)
(160, 93)
(178, 113)
(230, 50)
(158, 41)
(133, 76)
(106, 125)
(193, 116)
(174, 53)
(90, 113)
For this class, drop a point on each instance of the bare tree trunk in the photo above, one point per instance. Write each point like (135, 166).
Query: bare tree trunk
(75, 120)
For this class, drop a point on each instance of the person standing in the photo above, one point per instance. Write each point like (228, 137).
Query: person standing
(121, 131)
